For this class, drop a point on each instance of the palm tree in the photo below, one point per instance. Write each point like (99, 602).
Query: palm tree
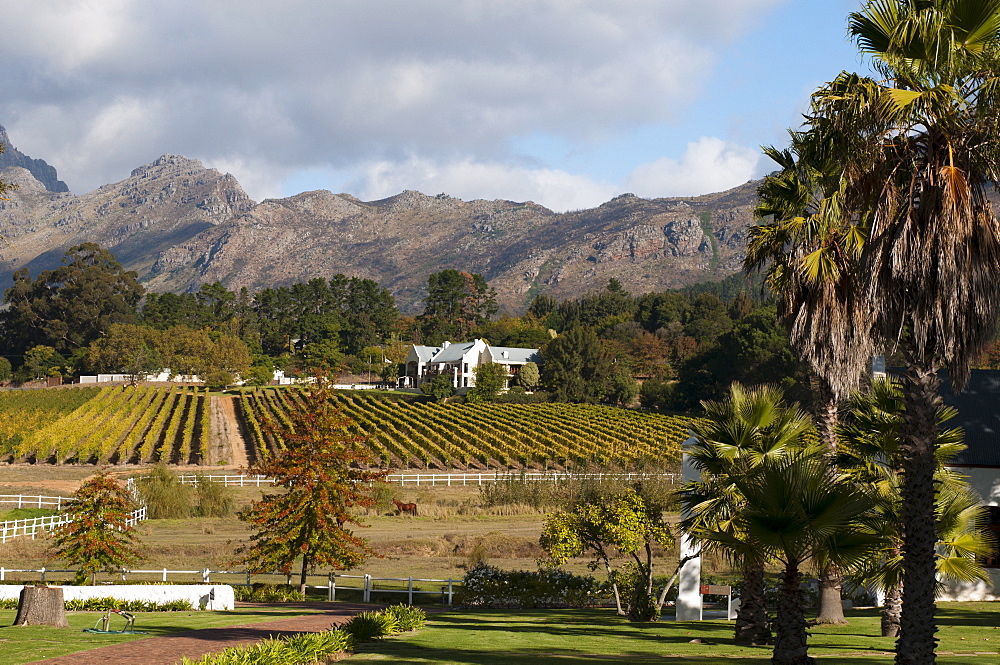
(869, 453)
(746, 429)
(794, 508)
(810, 248)
(919, 150)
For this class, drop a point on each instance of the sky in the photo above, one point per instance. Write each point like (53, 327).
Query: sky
(566, 103)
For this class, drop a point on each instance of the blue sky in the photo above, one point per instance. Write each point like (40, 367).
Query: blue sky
(564, 102)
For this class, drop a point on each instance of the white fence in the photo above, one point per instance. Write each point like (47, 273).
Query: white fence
(368, 585)
(30, 527)
(442, 479)
(33, 501)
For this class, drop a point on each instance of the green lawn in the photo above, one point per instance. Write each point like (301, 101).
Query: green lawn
(26, 644)
(598, 636)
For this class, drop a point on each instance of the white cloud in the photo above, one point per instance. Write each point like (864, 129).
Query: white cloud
(98, 87)
(708, 165)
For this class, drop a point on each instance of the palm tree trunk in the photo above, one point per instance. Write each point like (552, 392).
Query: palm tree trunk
(752, 626)
(892, 608)
(919, 436)
(831, 579)
(831, 605)
(790, 646)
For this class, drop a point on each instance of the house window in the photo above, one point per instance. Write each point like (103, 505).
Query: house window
(993, 529)
(466, 370)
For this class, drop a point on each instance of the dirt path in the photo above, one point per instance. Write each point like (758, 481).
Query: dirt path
(196, 643)
(226, 444)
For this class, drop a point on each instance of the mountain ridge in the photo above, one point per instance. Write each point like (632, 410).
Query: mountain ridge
(179, 224)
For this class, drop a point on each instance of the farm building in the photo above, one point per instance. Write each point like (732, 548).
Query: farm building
(459, 362)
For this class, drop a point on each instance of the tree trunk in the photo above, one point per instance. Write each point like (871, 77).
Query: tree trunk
(892, 608)
(790, 647)
(916, 642)
(614, 588)
(752, 626)
(831, 605)
(41, 606)
(302, 577)
(831, 579)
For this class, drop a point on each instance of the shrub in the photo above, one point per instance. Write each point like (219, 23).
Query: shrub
(260, 592)
(214, 498)
(107, 603)
(368, 626)
(295, 650)
(407, 617)
(487, 586)
(164, 495)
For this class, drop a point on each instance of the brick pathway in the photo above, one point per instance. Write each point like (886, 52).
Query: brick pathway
(196, 643)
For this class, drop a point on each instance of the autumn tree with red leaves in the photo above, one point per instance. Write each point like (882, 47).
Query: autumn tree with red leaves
(98, 535)
(324, 472)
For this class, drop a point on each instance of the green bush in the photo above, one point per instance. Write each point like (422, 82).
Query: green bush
(260, 592)
(296, 650)
(368, 626)
(407, 617)
(165, 496)
(214, 499)
(488, 586)
(107, 603)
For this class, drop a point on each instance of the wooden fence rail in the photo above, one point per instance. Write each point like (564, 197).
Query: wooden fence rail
(442, 479)
(33, 501)
(31, 526)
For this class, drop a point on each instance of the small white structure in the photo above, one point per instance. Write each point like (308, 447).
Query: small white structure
(459, 362)
(689, 600)
(201, 596)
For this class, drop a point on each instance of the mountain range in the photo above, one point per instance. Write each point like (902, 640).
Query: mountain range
(179, 224)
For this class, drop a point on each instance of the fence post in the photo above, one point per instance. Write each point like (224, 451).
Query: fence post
(42, 571)
(19, 497)
(409, 590)
(123, 575)
(331, 587)
(366, 596)
(164, 574)
(248, 579)
(204, 576)
(449, 591)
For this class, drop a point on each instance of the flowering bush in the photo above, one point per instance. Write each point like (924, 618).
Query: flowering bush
(487, 586)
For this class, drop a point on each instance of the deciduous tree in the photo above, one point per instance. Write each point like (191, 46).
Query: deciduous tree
(323, 471)
(98, 536)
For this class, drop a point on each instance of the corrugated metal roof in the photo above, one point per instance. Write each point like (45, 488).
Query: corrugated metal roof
(978, 415)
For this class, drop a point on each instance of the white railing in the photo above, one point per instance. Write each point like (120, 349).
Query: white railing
(33, 501)
(228, 481)
(449, 479)
(368, 585)
(31, 527)
(444, 479)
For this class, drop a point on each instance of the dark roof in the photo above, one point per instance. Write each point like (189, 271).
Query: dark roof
(979, 415)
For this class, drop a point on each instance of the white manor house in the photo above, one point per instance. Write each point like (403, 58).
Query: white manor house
(459, 362)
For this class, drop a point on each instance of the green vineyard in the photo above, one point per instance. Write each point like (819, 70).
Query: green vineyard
(105, 425)
(402, 434)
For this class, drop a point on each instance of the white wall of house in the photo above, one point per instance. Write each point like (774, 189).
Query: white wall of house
(985, 481)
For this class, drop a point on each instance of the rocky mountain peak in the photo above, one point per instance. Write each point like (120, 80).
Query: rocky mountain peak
(42, 172)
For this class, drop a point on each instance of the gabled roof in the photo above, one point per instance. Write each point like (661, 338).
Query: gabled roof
(513, 355)
(978, 415)
(453, 352)
(425, 353)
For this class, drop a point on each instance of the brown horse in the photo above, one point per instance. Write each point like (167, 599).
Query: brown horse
(409, 508)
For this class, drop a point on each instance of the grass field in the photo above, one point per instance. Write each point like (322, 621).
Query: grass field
(598, 636)
(26, 644)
